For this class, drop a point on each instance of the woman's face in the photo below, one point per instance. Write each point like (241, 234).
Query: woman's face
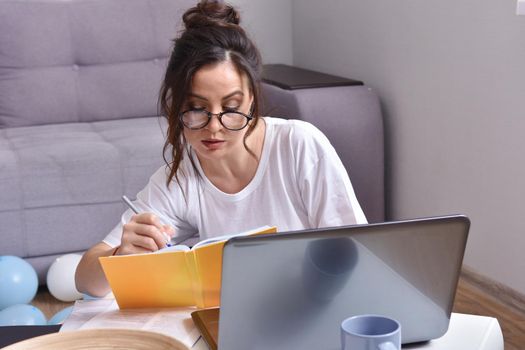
(216, 88)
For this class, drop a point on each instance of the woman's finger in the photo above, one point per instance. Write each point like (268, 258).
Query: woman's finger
(148, 219)
(152, 232)
(170, 231)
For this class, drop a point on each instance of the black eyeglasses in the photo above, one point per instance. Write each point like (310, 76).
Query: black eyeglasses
(196, 119)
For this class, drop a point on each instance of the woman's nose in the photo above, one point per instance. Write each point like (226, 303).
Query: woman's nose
(214, 124)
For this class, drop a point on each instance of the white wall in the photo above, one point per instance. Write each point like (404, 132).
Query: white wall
(269, 23)
(451, 77)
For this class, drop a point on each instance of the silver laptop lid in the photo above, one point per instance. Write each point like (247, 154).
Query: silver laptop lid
(292, 290)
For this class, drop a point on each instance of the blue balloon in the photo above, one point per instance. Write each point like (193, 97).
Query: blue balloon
(22, 315)
(60, 316)
(18, 281)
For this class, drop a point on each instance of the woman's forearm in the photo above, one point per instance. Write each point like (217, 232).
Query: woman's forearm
(89, 276)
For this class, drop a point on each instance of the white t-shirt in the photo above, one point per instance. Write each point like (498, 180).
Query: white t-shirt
(300, 183)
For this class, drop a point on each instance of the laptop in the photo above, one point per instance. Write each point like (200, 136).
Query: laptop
(293, 290)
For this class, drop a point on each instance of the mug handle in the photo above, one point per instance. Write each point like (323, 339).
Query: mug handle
(387, 346)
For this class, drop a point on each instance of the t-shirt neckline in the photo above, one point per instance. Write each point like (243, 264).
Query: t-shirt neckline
(254, 183)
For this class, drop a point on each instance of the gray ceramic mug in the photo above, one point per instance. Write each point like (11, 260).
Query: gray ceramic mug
(370, 332)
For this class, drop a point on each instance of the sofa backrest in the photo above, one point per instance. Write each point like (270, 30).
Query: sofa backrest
(58, 62)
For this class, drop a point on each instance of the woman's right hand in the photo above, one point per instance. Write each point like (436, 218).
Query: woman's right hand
(143, 234)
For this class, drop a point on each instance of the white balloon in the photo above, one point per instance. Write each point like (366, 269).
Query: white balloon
(61, 277)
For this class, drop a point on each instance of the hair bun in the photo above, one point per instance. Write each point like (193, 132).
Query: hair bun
(210, 13)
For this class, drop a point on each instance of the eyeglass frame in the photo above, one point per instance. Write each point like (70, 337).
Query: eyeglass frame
(219, 116)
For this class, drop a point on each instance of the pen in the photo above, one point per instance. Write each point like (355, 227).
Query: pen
(136, 211)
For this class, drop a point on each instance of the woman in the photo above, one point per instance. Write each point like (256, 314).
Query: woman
(229, 169)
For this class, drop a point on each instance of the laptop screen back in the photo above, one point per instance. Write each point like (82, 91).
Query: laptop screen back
(293, 290)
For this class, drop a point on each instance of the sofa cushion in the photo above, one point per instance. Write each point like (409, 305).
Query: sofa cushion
(139, 144)
(58, 63)
(9, 176)
(67, 180)
(54, 165)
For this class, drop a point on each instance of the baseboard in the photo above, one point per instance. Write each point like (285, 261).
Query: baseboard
(499, 291)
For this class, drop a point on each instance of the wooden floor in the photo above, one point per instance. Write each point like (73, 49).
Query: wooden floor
(469, 300)
(47, 303)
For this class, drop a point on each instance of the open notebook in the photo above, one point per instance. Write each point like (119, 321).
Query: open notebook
(174, 276)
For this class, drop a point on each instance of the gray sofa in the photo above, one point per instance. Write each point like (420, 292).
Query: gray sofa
(78, 119)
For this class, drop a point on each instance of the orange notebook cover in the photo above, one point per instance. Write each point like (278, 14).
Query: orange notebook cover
(170, 278)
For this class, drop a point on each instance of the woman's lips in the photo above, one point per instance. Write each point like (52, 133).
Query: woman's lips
(213, 144)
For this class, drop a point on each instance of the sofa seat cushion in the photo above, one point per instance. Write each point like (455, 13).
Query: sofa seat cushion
(47, 170)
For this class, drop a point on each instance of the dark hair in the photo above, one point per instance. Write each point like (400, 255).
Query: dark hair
(212, 34)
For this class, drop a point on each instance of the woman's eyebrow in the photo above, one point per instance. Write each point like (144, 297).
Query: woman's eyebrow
(236, 92)
(191, 94)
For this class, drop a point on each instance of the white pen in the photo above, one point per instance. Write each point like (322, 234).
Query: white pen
(136, 211)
